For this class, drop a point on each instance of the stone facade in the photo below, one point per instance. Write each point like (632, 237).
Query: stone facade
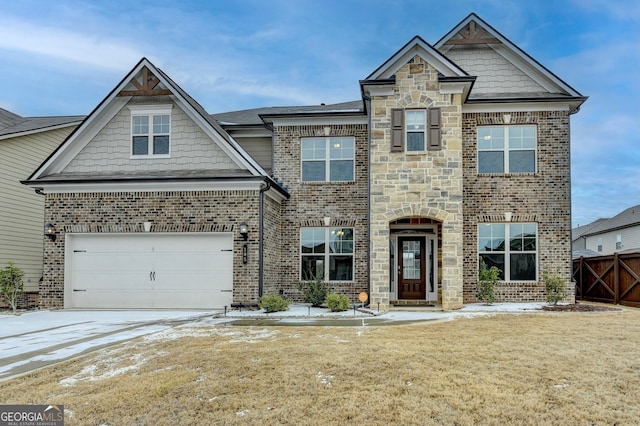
(182, 211)
(417, 184)
(345, 203)
(542, 197)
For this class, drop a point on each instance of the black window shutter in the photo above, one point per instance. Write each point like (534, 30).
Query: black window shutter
(397, 129)
(435, 137)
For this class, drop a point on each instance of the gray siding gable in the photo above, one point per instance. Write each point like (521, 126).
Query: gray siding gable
(110, 150)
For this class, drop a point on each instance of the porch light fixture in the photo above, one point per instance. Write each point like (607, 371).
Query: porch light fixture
(50, 231)
(244, 231)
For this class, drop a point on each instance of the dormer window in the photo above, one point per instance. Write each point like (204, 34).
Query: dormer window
(150, 131)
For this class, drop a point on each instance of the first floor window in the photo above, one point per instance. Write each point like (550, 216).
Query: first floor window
(326, 254)
(512, 248)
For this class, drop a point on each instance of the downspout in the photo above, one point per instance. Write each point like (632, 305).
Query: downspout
(263, 189)
(367, 101)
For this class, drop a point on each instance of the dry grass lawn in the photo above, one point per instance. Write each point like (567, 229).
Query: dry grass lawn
(545, 368)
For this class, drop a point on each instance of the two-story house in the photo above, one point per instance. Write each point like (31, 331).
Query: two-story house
(618, 234)
(456, 153)
(25, 142)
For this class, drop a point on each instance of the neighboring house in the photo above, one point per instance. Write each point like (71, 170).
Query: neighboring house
(456, 152)
(25, 142)
(618, 234)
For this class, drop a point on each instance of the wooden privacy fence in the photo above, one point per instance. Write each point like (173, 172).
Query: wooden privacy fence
(612, 279)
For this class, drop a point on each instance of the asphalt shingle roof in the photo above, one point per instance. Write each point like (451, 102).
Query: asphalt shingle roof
(252, 116)
(11, 123)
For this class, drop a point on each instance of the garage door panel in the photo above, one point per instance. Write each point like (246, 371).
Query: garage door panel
(151, 271)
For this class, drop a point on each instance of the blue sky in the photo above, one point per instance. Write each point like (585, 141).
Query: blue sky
(63, 57)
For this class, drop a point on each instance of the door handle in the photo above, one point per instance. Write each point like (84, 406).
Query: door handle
(154, 275)
(150, 275)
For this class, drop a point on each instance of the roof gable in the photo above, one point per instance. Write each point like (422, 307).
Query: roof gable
(417, 46)
(473, 33)
(144, 80)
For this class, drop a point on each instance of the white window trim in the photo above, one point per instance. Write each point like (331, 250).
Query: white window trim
(424, 132)
(327, 160)
(505, 150)
(327, 254)
(148, 111)
(507, 251)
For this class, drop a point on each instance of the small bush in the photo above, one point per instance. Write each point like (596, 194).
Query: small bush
(554, 287)
(11, 284)
(337, 302)
(273, 303)
(315, 292)
(487, 280)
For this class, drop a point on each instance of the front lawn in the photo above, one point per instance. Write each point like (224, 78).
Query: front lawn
(543, 368)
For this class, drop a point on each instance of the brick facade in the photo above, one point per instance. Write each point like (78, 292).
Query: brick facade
(345, 203)
(542, 198)
(182, 211)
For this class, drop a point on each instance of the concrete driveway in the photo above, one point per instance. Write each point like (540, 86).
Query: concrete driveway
(37, 339)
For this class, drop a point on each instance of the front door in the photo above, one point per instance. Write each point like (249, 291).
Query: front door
(412, 267)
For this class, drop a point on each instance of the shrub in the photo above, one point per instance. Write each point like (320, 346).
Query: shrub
(273, 303)
(337, 302)
(11, 284)
(487, 280)
(315, 292)
(554, 287)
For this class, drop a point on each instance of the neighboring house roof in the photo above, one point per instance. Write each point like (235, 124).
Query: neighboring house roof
(52, 168)
(252, 117)
(584, 229)
(474, 31)
(626, 219)
(576, 254)
(12, 125)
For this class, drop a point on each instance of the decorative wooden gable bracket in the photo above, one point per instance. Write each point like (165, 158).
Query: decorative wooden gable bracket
(472, 35)
(145, 88)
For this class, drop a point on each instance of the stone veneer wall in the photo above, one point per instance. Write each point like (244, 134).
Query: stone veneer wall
(542, 197)
(344, 202)
(180, 211)
(426, 184)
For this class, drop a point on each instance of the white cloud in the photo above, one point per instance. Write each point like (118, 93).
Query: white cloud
(87, 49)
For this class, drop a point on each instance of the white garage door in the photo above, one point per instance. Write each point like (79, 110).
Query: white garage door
(124, 271)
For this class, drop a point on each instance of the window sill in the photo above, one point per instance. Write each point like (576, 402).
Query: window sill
(507, 174)
(325, 182)
(148, 157)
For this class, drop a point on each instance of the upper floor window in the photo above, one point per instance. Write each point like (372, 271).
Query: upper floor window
(512, 248)
(507, 149)
(618, 241)
(328, 159)
(326, 254)
(416, 126)
(150, 131)
(415, 130)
